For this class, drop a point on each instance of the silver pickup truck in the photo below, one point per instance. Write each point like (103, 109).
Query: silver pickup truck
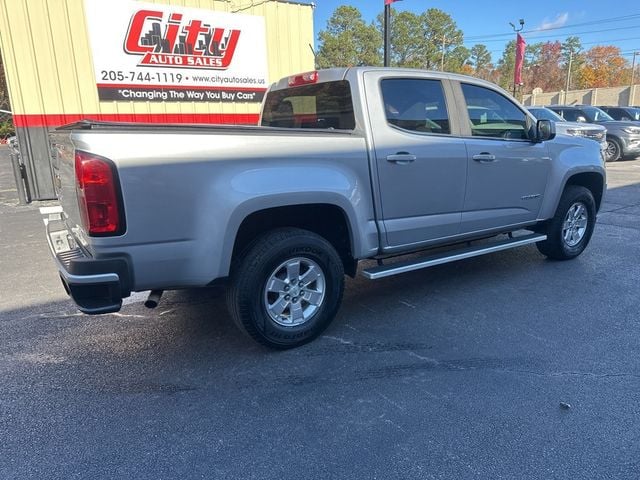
(347, 165)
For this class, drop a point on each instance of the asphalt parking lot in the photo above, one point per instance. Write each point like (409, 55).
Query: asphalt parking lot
(461, 371)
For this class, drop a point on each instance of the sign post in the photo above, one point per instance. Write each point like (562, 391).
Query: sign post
(387, 31)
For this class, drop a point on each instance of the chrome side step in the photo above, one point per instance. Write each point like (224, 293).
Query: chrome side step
(446, 257)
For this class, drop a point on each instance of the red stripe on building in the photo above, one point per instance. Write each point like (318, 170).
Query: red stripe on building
(56, 120)
(181, 87)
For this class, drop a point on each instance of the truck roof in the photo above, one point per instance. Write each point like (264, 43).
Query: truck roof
(341, 73)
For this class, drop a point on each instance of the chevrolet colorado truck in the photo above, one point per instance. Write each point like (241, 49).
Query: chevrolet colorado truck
(346, 165)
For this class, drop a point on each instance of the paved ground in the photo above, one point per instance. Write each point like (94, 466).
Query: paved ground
(456, 372)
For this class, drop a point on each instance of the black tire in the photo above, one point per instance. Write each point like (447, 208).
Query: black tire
(247, 295)
(614, 150)
(556, 246)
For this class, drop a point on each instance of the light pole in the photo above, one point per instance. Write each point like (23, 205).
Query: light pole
(387, 33)
(516, 30)
(566, 89)
(633, 67)
(444, 39)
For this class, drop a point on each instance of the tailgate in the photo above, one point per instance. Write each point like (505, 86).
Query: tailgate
(64, 177)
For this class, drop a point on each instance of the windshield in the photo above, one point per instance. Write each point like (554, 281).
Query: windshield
(594, 114)
(546, 114)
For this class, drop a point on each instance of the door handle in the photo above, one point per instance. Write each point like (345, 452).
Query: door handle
(484, 157)
(401, 158)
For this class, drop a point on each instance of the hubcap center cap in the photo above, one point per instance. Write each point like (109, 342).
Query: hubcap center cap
(294, 291)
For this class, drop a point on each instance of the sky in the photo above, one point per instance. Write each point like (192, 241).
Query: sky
(492, 17)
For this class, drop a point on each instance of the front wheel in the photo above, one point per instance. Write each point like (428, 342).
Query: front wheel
(286, 288)
(570, 229)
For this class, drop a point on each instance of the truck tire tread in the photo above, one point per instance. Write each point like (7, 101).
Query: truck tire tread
(555, 247)
(244, 294)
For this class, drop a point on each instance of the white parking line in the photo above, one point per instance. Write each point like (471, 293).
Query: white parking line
(48, 210)
(51, 213)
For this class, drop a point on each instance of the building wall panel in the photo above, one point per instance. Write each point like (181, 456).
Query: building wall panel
(49, 68)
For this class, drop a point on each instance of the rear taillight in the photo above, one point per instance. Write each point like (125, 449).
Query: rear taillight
(98, 195)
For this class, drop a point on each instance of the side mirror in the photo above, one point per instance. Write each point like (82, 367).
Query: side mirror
(545, 130)
(581, 119)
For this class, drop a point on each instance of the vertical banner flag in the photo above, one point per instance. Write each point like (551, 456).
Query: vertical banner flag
(148, 52)
(520, 46)
(389, 2)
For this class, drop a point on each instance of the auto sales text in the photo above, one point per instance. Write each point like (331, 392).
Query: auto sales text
(183, 43)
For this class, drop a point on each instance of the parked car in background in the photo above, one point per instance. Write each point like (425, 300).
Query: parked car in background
(575, 129)
(623, 138)
(625, 114)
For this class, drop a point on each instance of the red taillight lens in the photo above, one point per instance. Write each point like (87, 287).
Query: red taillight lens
(98, 196)
(303, 79)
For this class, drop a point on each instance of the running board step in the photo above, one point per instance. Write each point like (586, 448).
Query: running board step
(446, 257)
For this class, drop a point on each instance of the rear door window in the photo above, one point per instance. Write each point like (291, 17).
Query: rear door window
(415, 104)
(322, 105)
(594, 114)
(620, 114)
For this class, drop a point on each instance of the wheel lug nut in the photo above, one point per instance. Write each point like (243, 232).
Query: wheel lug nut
(301, 292)
(300, 284)
(286, 288)
(287, 297)
(295, 299)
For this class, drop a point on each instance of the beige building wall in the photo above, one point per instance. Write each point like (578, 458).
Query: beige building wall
(613, 96)
(50, 72)
(47, 56)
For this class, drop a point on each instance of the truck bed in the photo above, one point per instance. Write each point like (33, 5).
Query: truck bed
(131, 127)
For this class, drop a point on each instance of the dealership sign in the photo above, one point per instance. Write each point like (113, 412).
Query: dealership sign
(162, 53)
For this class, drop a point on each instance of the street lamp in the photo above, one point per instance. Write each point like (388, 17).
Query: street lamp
(521, 26)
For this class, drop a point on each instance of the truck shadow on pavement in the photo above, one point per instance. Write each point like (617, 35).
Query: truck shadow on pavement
(443, 318)
(409, 311)
(403, 327)
(190, 341)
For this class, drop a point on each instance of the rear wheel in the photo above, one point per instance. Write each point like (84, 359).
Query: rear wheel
(286, 288)
(569, 231)
(613, 151)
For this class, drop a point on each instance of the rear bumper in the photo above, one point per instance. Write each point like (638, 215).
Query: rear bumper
(95, 285)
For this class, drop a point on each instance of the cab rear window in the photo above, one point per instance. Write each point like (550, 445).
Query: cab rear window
(322, 105)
